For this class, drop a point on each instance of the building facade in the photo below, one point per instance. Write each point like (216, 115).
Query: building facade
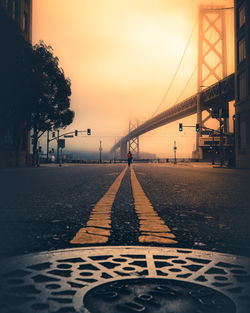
(242, 83)
(16, 16)
(21, 12)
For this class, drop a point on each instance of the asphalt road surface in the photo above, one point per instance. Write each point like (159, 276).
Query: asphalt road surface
(183, 205)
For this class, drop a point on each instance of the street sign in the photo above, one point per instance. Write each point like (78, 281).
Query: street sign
(61, 143)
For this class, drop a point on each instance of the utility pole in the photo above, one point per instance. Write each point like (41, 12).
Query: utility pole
(100, 149)
(57, 157)
(47, 157)
(175, 148)
(62, 142)
(199, 121)
(213, 152)
(221, 139)
(60, 161)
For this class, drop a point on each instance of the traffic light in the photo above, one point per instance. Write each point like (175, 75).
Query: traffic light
(76, 132)
(180, 127)
(89, 131)
(53, 134)
(197, 127)
(211, 147)
(40, 149)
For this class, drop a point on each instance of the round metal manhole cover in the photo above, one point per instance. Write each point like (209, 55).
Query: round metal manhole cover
(156, 295)
(125, 279)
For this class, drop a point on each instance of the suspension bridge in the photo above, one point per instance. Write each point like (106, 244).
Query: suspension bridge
(213, 99)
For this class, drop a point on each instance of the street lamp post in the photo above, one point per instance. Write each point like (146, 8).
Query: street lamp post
(175, 148)
(66, 135)
(213, 152)
(100, 149)
(57, 157)
(221, 140)
(47, 157)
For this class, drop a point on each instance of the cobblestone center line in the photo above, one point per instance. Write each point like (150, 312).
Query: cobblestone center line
(152, 227)
(98, 227)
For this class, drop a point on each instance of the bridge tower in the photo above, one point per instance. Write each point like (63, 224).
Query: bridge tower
(212, 56)
(133, 143)
(123, 149)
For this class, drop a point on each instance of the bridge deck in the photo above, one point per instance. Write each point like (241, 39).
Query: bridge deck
(213, 96)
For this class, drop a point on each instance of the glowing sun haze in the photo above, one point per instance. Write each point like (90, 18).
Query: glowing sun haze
(121, 56)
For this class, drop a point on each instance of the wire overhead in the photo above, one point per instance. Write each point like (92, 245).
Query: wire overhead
(191, 76)
(177, 69)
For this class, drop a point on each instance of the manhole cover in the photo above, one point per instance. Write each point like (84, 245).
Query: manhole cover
(156, 295)
(125, 279)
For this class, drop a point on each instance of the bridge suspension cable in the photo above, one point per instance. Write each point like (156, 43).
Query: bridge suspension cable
(177, 69)
(192, 74)
(187, 83)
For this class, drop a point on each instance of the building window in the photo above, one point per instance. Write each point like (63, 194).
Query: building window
(8, 136)
(248, 81)
(24, 139)
(25, 22)
(12, 7)
(9, 7)
(242, 50)
(242, 85)
(15, 10)
(243, 135)
(242, 15)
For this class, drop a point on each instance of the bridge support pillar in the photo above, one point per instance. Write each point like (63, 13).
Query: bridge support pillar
(134, 147)
(211, 24)
(123, 149)
(197, 154)
(133, 143)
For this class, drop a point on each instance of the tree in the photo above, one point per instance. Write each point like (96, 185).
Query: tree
(51, 95)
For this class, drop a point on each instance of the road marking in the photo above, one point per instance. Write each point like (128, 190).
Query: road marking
(152, 227)
(98, 227)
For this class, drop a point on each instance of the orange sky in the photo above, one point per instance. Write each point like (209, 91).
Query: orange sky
(120, 56)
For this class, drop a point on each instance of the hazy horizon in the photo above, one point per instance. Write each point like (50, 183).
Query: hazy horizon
(121, 56)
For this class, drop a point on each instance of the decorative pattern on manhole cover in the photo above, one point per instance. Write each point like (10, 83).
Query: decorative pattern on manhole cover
(125, 279)
(154, 294)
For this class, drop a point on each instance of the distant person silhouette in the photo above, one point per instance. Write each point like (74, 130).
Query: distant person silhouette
(130, 158)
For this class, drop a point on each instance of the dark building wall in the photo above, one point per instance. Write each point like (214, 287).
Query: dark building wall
(242, 83)
(16, 23)
(21, 12)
